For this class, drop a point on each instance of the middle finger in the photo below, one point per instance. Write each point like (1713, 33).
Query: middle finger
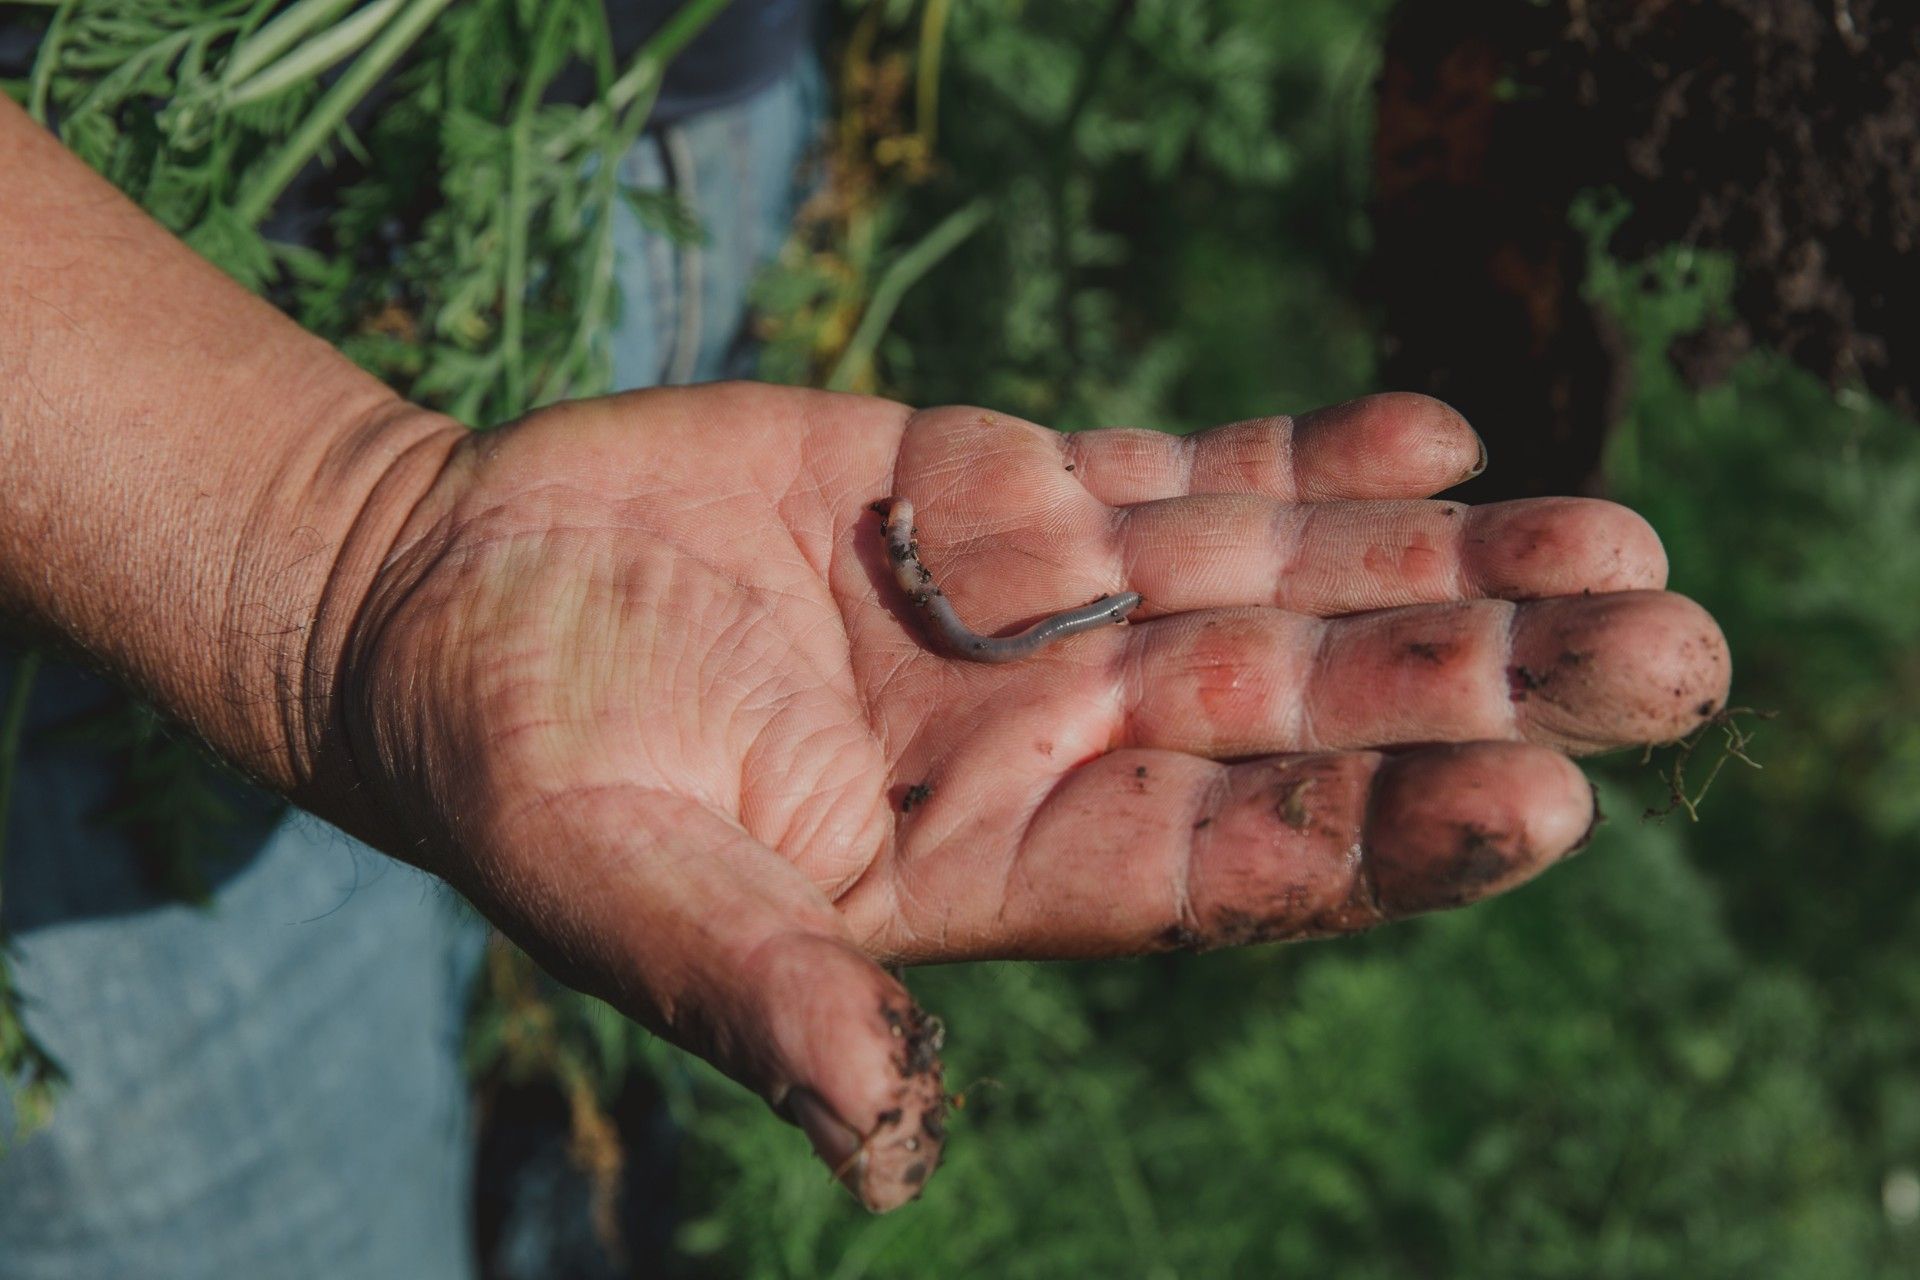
(1218, 551)
(1579, 673)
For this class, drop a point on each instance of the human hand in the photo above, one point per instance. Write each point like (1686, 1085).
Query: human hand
(635, 677)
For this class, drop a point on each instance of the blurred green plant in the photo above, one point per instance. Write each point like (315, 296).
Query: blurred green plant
(1694, 1051)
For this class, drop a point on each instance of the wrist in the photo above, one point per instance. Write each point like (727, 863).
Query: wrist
(315, 545)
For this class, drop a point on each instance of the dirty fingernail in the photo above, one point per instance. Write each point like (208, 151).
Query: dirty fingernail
(834, 1140)
(1481, 465)
(1593, 825)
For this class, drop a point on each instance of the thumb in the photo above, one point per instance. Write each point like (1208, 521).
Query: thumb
(687, 924)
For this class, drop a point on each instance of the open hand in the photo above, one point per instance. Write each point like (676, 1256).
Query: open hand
(637, 679)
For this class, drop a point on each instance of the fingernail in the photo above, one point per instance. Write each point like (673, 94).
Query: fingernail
(1593, 825)
(834, 1140)
(1481, 465)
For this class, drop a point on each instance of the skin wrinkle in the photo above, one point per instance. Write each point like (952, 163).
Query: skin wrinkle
(1212, 801)
(1363, 850)
(1017, 860)
(1122, 549)
(1123, 699)
(1127, 679)
(911, 907)
(811, 805)
(300, 674)
(1466, 578)
(884, 869)
(947, 484)
(1286, 438)
(1303, 734)
(1297, 522)
(1516, 716)
(869, 696)
(1066, 444)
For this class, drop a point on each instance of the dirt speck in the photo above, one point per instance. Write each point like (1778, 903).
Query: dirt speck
(1235, 928)
(1522, 681)
(1429, 651)
(1178, 937)
(922, 1035)
(1293, 804)
(917, 794)
(1478, 862)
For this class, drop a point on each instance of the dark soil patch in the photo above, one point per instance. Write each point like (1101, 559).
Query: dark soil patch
(1785, 132)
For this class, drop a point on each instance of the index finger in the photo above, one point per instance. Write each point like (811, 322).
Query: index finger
(1142, 850)
(1392, 445)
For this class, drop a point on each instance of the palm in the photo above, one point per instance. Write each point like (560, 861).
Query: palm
(639, 682)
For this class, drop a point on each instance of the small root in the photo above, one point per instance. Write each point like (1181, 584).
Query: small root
(1734, 743)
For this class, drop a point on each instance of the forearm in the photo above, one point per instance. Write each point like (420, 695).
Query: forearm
(195, 489)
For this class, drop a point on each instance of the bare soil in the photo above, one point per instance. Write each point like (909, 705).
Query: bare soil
(1784, 132)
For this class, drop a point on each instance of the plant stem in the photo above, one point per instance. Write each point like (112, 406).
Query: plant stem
(1063, 166)
(45, 64)
(111, 89)
(280, 35)
(904, 272)
(12, 727)
(593, 308)
(643, 76)
(519, 205)
(264, 185)
(314, 57)
(926, 79)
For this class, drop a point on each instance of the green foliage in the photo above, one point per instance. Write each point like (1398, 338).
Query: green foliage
(1139, 158)
(30, 1074)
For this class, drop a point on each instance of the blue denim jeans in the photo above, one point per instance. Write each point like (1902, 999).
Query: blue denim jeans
(271, 1085)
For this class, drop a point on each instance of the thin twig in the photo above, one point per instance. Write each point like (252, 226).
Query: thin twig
(48, 62)
(1062, 168)
(1734, 747)
(901, 276)
(933, 30)
(12, 727)
(644, 74)
(519, 205)
(263, 187)
(270, 41)
(315, 56)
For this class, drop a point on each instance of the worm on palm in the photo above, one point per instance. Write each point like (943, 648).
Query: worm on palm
(960, 639)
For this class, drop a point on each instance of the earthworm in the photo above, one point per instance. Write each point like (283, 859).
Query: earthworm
(957, 636)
